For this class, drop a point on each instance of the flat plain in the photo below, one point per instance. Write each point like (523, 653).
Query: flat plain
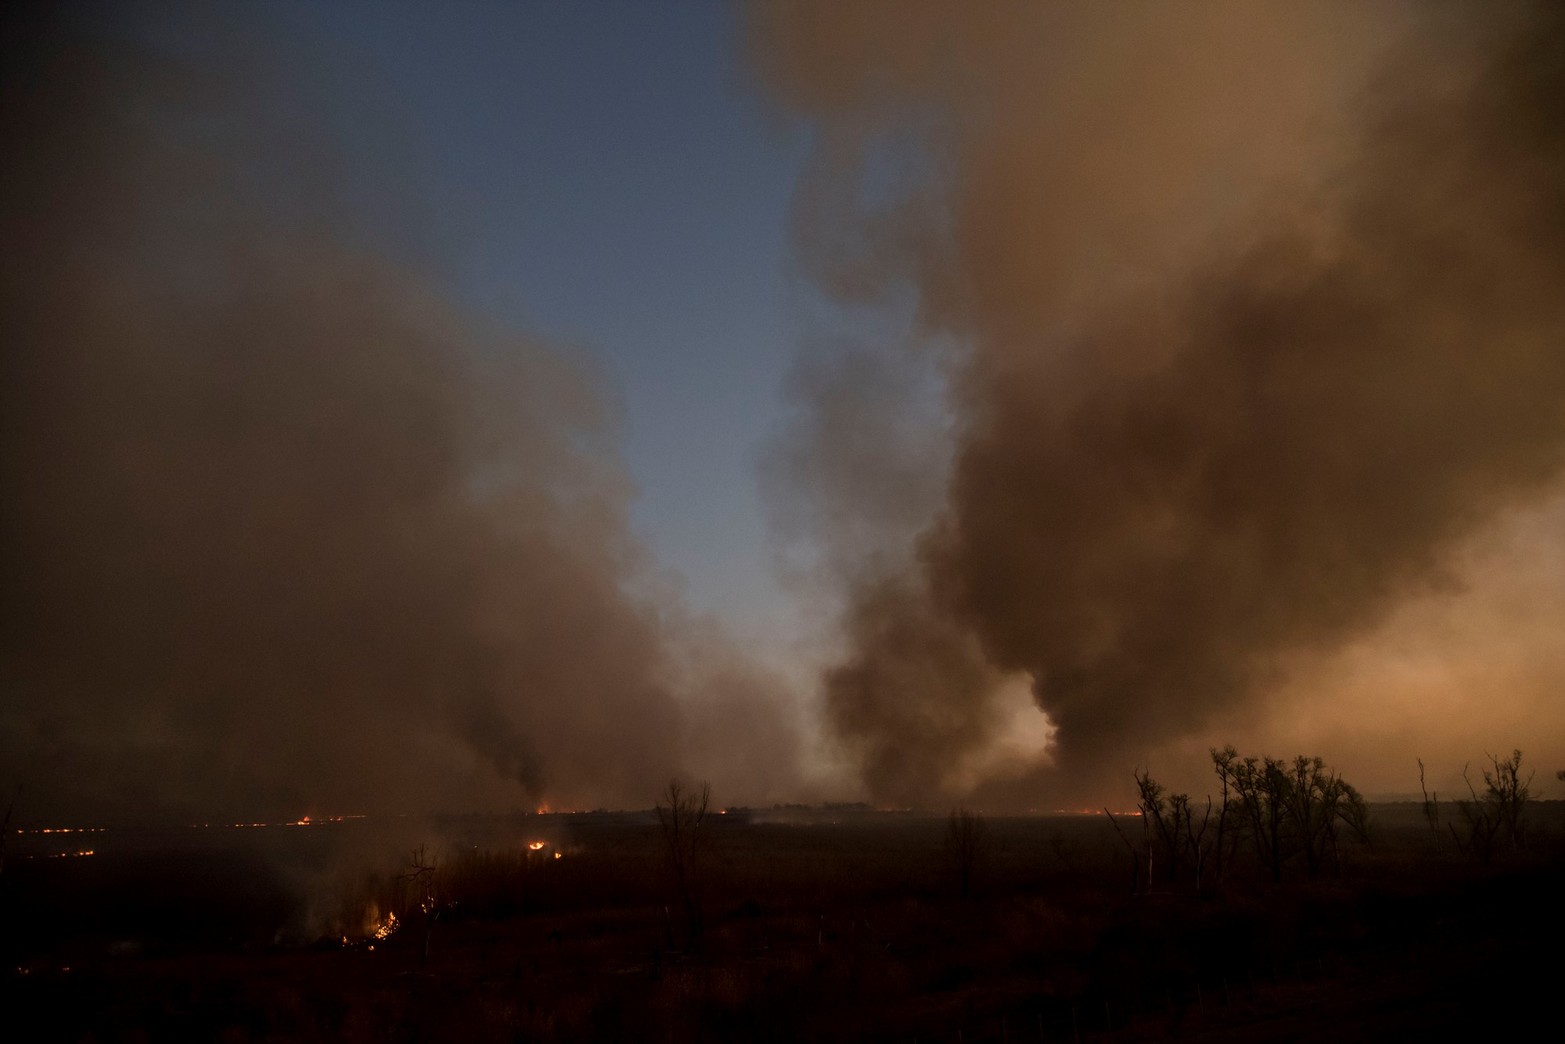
(808, 924)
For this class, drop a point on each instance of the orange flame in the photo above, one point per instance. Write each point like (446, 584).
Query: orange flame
(386, 927)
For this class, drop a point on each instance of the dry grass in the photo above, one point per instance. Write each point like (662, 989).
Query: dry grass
(839, 931)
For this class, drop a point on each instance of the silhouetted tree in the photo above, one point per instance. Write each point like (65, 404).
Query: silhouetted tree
(1259, 786)
(1195, 840)
(5, 826)
(1154, 827)
(1227, 837)
(1161, 824)
(1167, 823)
(1317, 801)
(1499, 816)
(681, 814)
(966, 848)
(1285, 809)
(1431, 804)
(423, 882)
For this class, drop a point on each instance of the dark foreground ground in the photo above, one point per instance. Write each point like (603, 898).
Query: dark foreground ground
(832, 925)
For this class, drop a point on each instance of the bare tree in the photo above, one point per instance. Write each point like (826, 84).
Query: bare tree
(422, 879)
(1195, 840)
(5, 826)
(1509, 793)
(1153, 825)
(1431, 804)
(1167, 822)
(1260, 789)
(1285, 809)
(1317, 800)
(1227, 837)
(966, 848)
(1500, 814)
(681, 814)
(1135, 857)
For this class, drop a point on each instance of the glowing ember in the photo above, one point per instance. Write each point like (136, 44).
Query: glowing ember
(536, 845)
(556, 855)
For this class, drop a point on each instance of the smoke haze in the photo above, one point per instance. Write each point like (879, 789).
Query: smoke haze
(284, 531)
(1250, 326)
(1191, 375)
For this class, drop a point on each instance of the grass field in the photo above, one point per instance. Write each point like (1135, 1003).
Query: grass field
(816, 925)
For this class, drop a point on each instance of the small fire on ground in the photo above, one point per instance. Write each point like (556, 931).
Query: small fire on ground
(539, 846)
(376, 929)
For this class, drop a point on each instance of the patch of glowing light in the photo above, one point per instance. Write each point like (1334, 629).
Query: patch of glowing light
(65, 830)
(384, 929)
(1020, 737)
(301, 821)
(536, 846)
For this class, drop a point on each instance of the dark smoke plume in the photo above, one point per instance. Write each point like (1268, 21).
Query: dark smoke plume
(283, 531)
(1257, 317)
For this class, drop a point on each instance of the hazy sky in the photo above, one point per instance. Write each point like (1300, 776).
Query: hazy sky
(603, 175)
(920, 401)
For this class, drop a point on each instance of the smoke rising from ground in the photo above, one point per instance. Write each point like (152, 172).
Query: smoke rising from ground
(284, 531)
(1253, 325)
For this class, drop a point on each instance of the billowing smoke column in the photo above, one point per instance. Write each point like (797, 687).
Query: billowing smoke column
(1248, 317)
(283, 531)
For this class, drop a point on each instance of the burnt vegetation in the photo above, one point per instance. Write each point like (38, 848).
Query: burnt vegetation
(1280, 905)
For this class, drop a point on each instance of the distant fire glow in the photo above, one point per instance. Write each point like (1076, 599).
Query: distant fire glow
(65, 830)
(302, 821)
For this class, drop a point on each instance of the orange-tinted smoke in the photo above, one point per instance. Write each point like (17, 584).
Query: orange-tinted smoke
(1250, 320)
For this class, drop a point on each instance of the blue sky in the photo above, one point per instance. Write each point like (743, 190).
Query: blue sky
(604, 177)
